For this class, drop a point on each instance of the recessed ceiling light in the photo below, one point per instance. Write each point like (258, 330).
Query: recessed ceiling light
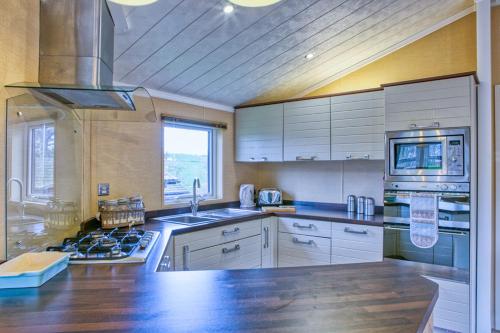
(254, 3)
(309, 56)
(134, 2)
(228, 9)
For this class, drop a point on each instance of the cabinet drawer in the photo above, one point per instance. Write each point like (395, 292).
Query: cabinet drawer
(358, 233)
(356, 243)
(215, 236)
(305, 227)
(302, 250)
(240, 254)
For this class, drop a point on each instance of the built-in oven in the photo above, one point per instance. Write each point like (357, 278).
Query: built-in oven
(433, 155)
(452, 248)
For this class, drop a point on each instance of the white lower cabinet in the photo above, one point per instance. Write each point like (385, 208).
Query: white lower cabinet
(269, 243)
(243, 253)
(275, 242)
(303, 250)
(356, 243)
(231, 246)
(452, 311)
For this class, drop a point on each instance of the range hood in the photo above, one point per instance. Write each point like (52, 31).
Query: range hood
(76, 63)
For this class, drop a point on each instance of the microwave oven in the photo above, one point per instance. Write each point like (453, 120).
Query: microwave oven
(433, 155)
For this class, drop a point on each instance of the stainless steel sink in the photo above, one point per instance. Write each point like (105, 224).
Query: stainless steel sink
(230, 212)
(208, 216)
(188, 219)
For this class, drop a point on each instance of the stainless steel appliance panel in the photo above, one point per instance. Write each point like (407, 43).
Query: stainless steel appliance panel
(434, 155)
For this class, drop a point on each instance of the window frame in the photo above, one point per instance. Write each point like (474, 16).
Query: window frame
(213, 162)
(29, 196)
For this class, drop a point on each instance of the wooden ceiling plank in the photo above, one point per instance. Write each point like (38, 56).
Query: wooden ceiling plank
(335, 34)
(272, 37)
(170, 26)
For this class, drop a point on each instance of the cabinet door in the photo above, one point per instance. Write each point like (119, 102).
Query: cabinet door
(240, 254)
(214, 236)
(432, 104)
(307, 130)
(358, 129)
(356, 243)
(452, 311)
(269, 242)
(259, 134)
(302, 250)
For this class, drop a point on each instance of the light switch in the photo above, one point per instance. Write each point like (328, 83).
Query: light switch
(102, 189)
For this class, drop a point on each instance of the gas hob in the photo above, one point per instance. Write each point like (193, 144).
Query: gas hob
(115, 246)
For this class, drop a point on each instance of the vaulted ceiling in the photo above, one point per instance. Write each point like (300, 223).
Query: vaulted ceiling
(192, 48)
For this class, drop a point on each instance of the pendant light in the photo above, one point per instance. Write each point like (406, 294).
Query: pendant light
(134, 2)
(254, 3)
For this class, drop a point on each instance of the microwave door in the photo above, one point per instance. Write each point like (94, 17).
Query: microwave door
(418, 156)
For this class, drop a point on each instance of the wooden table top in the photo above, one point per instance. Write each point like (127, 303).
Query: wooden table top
(374, 297)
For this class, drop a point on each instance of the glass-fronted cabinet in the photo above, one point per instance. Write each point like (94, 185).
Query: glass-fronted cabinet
(44, 174)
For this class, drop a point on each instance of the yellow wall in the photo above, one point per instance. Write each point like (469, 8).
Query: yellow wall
(449, 50)
(128, 156)
(18, 62)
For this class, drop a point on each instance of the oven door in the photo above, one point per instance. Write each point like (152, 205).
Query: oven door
(420, 156)
(454, 209)
(451, 249)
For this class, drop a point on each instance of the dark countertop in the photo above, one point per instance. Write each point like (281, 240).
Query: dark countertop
(388, 296)
(303, 212)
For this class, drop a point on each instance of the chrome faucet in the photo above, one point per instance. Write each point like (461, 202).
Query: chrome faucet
(196, 201)
(21, 187)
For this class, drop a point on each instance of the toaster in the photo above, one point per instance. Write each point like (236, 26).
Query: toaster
(270, 196)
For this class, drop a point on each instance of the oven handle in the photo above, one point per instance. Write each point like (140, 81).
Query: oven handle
(447, 232)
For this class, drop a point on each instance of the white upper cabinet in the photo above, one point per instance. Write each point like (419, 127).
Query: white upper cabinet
(307, 130)
(432, 104)
(259, 133)
(357, 126)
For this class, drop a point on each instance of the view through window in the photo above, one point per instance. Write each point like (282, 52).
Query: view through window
(188, 154)
(41, 160)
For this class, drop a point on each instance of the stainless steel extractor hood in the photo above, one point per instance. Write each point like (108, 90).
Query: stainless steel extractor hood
(76, 60)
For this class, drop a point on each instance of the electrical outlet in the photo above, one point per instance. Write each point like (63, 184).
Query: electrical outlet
(102, 189)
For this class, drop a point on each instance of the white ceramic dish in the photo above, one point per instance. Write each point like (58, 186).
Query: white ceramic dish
(32, 269)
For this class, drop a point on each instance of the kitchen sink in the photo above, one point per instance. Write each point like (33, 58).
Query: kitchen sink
(188, 219)
(230, 212)
(208, 216)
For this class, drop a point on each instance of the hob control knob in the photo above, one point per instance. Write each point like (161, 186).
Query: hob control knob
(444, 187)
(453, 187)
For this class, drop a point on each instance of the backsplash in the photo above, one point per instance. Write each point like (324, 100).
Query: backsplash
(329, 181)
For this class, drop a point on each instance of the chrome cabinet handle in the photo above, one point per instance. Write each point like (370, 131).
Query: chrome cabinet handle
(230, 232)
(266, 237)
(185, 258)
(310, 226)
(235, 248)
(297, 241)
(351, 231)
(434, 124)
(165, 264)
(301, 158)
(350, 157)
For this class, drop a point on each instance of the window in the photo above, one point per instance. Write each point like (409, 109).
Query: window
(41, 151)
(189, 152)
